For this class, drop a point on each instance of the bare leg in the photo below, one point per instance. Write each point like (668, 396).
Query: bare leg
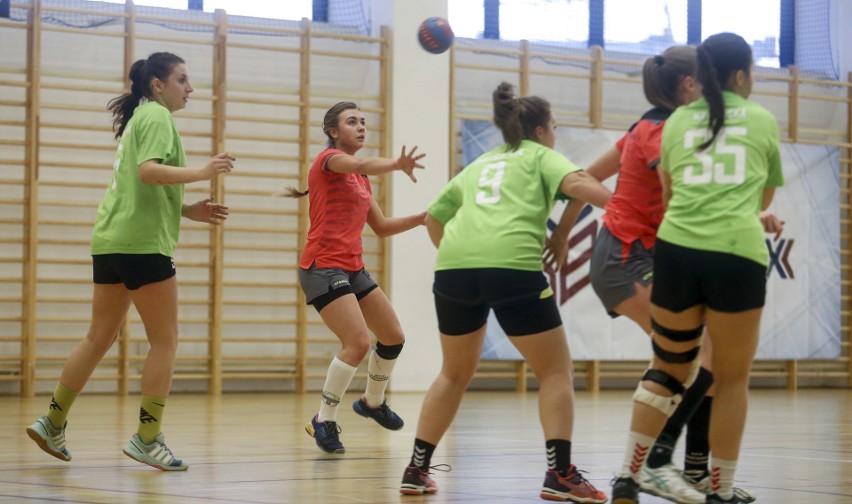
(109, 307)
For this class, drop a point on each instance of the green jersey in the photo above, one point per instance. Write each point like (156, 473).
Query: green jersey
(135, 217)
(717, 192)
(495, 211)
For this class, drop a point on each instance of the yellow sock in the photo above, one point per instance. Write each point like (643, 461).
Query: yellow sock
(60, 403)
(150, 416)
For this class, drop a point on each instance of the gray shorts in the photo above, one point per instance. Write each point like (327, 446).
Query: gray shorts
(615, 271)
(317, 282)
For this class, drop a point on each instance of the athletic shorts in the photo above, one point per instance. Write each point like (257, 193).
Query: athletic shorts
(323, 285)
(133, 270)
(522, 301)
(686, 277)
(616, 268)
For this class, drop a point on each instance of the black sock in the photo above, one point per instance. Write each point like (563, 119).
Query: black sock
(661, 453)
(422, 455)
(558, 455)
(698, 442)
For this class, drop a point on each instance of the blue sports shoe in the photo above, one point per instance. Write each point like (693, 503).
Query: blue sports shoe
(326, 435)
(383, 414)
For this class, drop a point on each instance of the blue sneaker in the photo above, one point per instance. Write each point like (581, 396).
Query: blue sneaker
(383, 414)
(49, 438)
(156, 454)
(326, 435)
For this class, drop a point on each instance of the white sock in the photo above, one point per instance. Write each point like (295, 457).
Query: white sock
(336, 382)
(722, 477)
(379, 371)
(638, 448)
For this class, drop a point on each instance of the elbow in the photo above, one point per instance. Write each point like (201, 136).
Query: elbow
(147, 177)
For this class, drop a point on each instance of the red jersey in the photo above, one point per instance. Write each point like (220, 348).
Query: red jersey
(636, 208)
(339, 203)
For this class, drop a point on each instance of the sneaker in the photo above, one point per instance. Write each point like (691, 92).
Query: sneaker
(383, 414)
(156, 454)
(742, 494)
(667, 482)
(416, 481)
(49, 438)
(571, 487)
(326, 435)
(715, 499)
(625, 491)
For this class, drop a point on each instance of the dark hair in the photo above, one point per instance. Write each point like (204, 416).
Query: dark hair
(662, 75)
(159, 65)
(719, 57)
(518, 118)
(328, 122)
(330, 119)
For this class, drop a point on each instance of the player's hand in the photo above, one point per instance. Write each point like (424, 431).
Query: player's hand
(409, 162)
(555, 252)
(772, 224)
(207, 211)
(218, 164)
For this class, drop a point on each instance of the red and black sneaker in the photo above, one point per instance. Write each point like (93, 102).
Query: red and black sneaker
(572, 487)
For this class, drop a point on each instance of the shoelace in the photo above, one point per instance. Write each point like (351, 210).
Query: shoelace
(386, 411)
(577, 477)
(332, 430)
(440, 468)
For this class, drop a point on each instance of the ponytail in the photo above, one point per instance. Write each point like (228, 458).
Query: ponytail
(719, 58)
(292, 192)
(518, 118)
(158, 65)
(712, 93)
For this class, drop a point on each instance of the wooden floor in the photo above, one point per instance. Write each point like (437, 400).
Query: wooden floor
(252, 449)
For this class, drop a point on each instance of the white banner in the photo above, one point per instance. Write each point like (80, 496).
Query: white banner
(801, 319)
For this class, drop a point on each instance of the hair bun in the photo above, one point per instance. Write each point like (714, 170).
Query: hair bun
(659, 60)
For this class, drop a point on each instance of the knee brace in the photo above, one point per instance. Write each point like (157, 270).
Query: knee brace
(677, 335)
(665, 404)
(688, 356)
(388, 352)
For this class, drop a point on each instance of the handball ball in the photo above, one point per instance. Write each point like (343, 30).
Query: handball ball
(435, 35)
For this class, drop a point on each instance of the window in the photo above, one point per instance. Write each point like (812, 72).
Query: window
(759, 23)
(554, 20)
(467, 18)
(289, 9)
(648, 27)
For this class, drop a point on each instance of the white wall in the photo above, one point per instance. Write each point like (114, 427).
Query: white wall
(420, 115)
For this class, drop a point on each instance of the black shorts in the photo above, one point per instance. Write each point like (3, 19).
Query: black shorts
(686, 277)
(522, 301)
(133, 270)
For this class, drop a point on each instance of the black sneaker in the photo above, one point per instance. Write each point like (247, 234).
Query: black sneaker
(625, 491)
(715, 499)
(326, 435)
(383, 414)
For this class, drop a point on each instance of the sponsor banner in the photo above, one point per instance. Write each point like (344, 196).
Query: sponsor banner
(801, 319)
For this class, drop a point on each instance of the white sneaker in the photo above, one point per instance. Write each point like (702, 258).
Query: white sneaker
(742, 494)
(667, 482)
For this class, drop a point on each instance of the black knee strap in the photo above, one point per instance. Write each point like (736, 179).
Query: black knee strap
(388, 352)
(676, 335)
(674, 357)
(664, 379)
